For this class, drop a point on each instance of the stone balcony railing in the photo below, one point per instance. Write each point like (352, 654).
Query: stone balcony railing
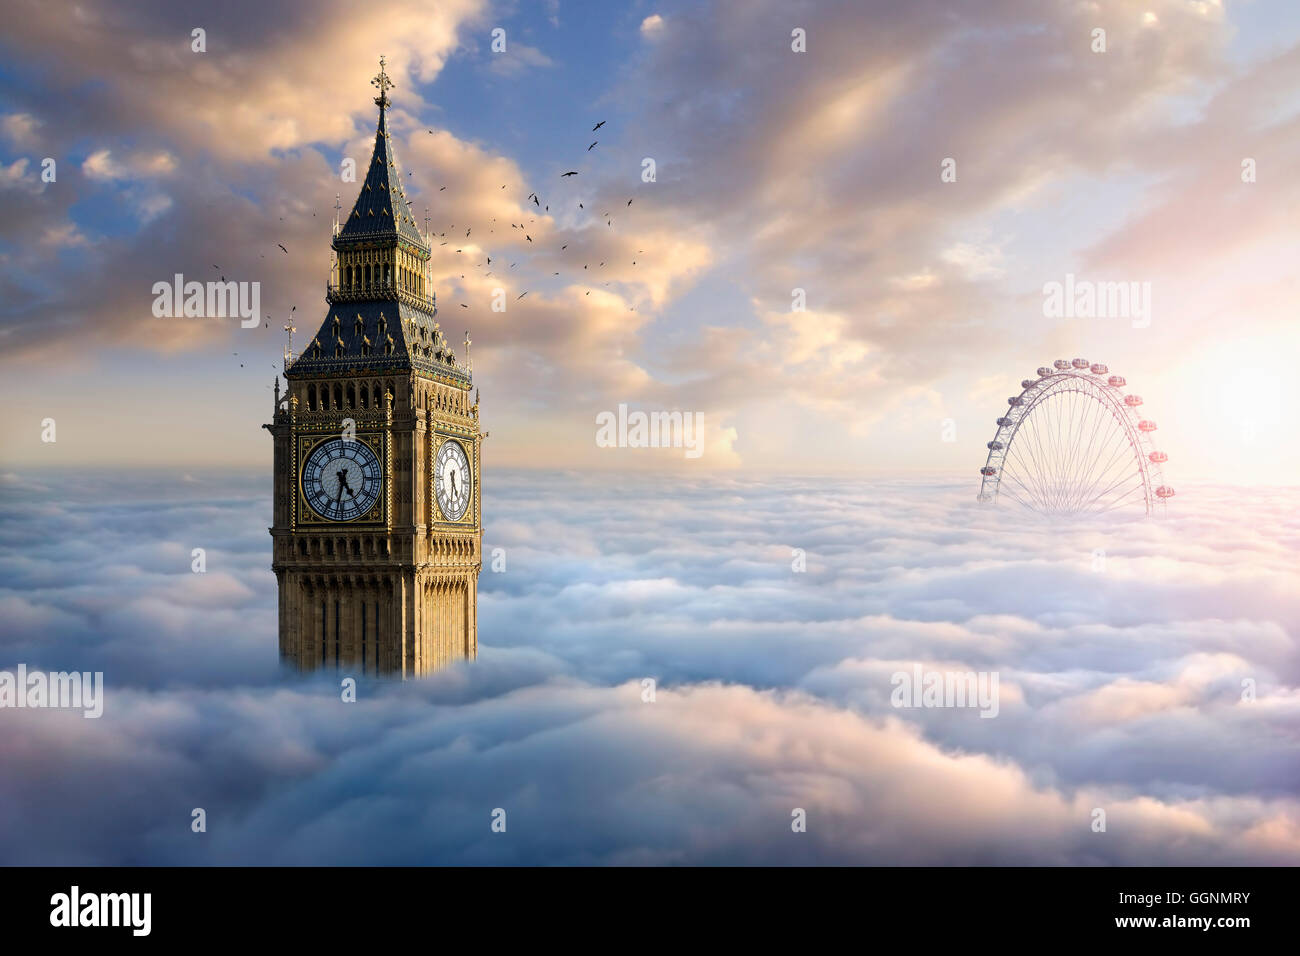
(380, 290)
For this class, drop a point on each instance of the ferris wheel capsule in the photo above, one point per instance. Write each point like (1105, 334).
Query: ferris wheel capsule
(1003, 422)
(995, 446)
(1132, 401)
(1164, 491)
(988, 471)
(1062, 364)
(1116, 381)
(1080, 363)
(1146, 426)
(1027, 383)
(1044, 371)
(1015, 400)
(1099, 369)
(1158, 457)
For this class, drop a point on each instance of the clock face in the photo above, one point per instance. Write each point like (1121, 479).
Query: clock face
(341, 480)
(452, 482)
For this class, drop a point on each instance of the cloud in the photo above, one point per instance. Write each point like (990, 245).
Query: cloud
(1120, 689)
(19, 128)
(517, 58)
(776, 171)
(102, 167)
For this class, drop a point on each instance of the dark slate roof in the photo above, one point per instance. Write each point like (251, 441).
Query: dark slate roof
(382, 209)
(418, 343)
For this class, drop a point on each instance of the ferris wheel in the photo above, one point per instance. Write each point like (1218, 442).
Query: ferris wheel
(1073, 442)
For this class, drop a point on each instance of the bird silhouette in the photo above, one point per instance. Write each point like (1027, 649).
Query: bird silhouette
(589, 148)
(572, 172)
(598, 126)
(521, 295)
(286, 251)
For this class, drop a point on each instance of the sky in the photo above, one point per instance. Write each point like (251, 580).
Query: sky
(1121, 651)
(776, 170)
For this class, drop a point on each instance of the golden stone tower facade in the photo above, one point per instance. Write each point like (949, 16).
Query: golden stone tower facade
(377, 536)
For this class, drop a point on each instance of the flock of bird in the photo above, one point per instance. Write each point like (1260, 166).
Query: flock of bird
(522, 227)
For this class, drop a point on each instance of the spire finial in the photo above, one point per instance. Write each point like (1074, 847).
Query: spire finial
(288, 349)
(383, 84)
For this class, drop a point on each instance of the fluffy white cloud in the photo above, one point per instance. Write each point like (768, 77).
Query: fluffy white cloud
(1119, 688)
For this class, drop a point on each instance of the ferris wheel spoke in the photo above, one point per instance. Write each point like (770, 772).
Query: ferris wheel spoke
(1035, 471)
(1047, 435)
(1081, 462)
(1097, 412)
(1051, 480)
(1116, 459)
(1120, 501)
(1117, 483)
(1028, 491)
(1018, 500)
(1068, 470)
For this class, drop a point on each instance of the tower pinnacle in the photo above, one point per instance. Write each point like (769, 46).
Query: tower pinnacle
(382, 83)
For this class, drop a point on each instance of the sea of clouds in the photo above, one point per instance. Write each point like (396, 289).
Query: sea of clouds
(1121, 645)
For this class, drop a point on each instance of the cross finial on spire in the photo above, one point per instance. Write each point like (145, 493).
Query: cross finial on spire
(382, 83)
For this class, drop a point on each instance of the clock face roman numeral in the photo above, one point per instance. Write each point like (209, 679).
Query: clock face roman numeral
(341, 480)
(452, 481)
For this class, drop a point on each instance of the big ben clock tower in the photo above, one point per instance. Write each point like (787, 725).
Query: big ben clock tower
(378, 536)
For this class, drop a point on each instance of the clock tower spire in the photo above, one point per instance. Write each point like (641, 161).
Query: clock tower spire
(377, 540)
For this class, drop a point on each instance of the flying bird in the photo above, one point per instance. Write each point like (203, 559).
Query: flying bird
(286, 251)
(521, 295)
(572, 172)
(589, 148)
(629, 202)
(598, 126)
